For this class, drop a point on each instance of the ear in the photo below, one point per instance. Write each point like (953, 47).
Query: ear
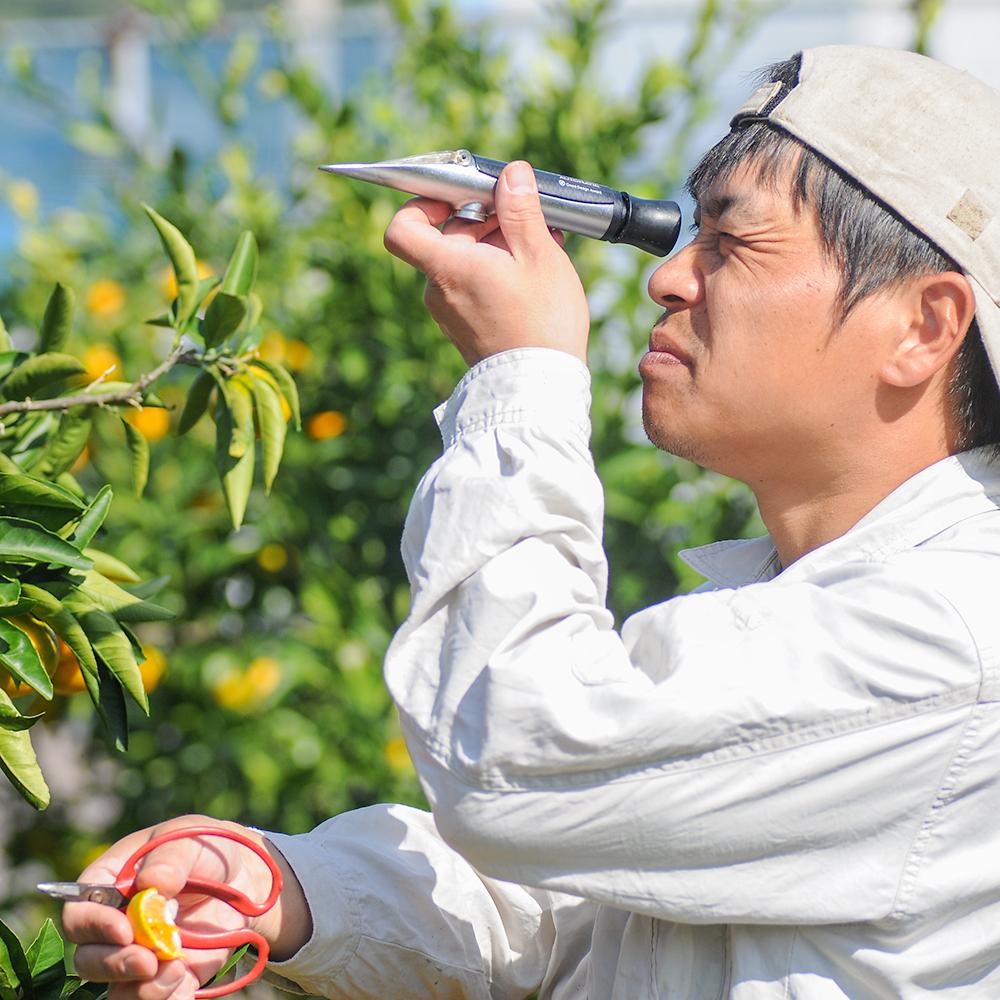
(935, 313)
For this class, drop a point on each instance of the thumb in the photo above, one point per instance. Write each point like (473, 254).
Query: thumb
(520, 212)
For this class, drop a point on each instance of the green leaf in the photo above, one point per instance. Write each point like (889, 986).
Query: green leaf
(166, 320)
(57, 321)
(46, 950)
(205, 285)
(256, 308)
(236, 472)
(271, 422)
(5, 342)
(230, 964)
(19, 656)
(68, 482)
(239, 404)
(151, 399)
(14, 966)
(39, 371)
(64, 447)
(111, 567)
(112, 708)
(96, 591)
(10, 592)
(11, 719)
(185, 265)
(19, 487)
(7, 360)
(24, 542)
(55, 519)
(115, 652)
(50, 610)
(18, 762)
(93, 517)
(223, 318)
(286, 385)
(108, 386)
(149, 588)
(242, 268)
(196, 402)
(138, 448)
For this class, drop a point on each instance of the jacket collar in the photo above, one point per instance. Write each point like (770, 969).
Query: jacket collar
(956, 488)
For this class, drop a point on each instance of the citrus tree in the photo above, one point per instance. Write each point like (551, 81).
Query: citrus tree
(67, 608)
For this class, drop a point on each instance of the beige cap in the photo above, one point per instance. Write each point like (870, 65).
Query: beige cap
(921, 136)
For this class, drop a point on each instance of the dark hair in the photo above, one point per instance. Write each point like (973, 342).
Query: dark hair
(871, 245)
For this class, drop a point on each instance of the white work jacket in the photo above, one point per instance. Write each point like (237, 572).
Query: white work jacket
(785, 786)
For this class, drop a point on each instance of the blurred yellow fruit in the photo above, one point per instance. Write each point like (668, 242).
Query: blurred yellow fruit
(244, 690)
(68, 677)
(152, 422)
(101, 359)
(298, 354)
(272, 558)
(326, 424)
(23, 198)
(105, 298)
(168, 280)
(396, 755)
(153, 667)
(272, 346)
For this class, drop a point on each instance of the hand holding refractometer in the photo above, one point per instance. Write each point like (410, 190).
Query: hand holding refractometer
(465, 181)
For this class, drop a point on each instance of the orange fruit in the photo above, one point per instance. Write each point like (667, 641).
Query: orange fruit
(152, 917)
(67, 677)
(44, 641)
(105, 298)
(153, 422)
(326, 424)
(101, 359)
(153, 667)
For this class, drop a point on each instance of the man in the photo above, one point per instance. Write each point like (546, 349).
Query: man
(785, 784)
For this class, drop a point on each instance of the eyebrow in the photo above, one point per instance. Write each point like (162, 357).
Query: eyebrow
(717, 205)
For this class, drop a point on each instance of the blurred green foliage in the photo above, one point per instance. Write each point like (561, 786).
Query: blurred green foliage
(272, 710)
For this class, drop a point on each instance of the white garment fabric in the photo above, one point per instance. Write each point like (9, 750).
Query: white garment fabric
(782, 786)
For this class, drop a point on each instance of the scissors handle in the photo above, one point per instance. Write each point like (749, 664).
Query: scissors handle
(219, 890)
(240, 902)
(229, 939)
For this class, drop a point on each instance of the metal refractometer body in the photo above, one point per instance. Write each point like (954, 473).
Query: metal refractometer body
(466, 181)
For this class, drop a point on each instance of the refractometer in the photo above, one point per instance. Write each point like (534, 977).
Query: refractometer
(465, 181)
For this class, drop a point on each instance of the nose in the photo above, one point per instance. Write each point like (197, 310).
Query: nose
(677, 283)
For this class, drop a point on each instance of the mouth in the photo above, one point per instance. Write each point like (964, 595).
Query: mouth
(663, 350)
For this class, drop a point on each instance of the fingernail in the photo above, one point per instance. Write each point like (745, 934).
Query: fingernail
(520, 178)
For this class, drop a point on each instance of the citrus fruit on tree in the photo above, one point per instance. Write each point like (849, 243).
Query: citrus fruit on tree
(67, 678)
(44, 640)
(152, 918)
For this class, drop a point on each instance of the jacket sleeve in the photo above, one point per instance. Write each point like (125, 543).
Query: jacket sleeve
(397, 912)
(745, 755)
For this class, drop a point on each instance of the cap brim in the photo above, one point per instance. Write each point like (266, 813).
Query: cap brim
(988, 319)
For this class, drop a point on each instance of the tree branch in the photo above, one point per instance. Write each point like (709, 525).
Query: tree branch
(131, 395)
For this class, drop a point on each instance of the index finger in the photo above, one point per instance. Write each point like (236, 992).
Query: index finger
(413, 236)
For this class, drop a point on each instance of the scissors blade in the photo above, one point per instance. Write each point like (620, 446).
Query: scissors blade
(83, 892)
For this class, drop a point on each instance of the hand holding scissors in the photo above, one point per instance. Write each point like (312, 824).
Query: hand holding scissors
(193, 861)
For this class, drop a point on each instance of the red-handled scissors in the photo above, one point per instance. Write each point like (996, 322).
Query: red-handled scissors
(118, 895)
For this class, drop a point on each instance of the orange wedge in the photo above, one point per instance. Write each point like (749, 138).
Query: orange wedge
(152, 918)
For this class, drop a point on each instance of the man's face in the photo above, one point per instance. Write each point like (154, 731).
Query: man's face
(750, 368)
